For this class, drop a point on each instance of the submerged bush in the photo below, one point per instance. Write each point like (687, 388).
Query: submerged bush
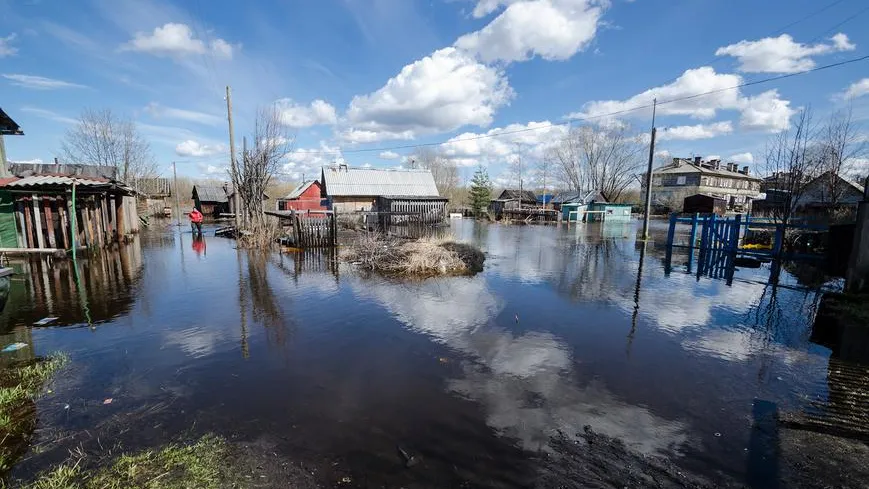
(422, 257)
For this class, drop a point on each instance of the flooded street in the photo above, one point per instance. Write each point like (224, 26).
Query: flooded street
(563, 329)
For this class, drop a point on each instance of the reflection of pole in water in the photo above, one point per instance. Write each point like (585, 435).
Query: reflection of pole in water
(637, 287)
(245, 352)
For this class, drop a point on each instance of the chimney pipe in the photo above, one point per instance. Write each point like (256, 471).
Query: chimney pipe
(745, 170)
(697, 160)
(677, 162)
(56, 162)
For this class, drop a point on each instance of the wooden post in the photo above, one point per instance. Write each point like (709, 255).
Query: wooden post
(119, 213)
(64, 221)
(37, 221)
(49, 223)
(111, 209)
(28, 224)
(86, 223)
(104, 217)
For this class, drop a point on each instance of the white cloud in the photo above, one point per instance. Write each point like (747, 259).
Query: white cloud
(34, 161)
(6, 48)
(500, 145)
(551, 29)
(307, 162)
(195, 149)
(40, 82)
(699, 131)
(295, 115)
(712, 157)
(857, 89)
(766, 112)
(50, 115)
(177, 40)
(213, 170)
(157, 111)
(691, 82)
(441, 92)
(389, 155)
(781, 54)
(742, 158)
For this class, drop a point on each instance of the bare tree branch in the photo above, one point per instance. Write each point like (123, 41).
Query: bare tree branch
(596, 158)
(100, 138)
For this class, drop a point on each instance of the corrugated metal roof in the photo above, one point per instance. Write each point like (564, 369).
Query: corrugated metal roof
(40, 180)
(343, 181)
(208, 193)
(298, 191)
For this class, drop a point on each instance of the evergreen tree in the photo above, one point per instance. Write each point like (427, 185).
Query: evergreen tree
(481, 192)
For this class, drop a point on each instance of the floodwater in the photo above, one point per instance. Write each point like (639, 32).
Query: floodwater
(563, 329)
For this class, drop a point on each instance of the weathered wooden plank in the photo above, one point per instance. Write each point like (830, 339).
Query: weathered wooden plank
(121, 222)
(37, 221)
(49, 223)
(64, 222)
(21, 227)
(28, 225)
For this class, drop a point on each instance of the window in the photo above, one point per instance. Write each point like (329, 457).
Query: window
(656, 181)
(680, 180)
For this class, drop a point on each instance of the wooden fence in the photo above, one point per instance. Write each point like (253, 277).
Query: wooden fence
(315, 230)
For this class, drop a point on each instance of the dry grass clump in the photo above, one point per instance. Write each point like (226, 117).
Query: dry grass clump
(422, 257)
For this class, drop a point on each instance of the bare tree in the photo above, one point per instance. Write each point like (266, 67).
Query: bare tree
(443, 170)
(791, 160)
(545, 178)
(597, 158)
(103, 139)
(840, 146)
(255, 170)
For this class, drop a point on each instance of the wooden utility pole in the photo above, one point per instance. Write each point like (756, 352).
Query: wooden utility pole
(175, 191)
(232, 163)
(648, 208)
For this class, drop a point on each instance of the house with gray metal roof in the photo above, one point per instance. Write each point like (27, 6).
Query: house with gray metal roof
(362, 189)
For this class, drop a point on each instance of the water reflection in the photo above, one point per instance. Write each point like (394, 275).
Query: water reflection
(102, 287)
(525, 380)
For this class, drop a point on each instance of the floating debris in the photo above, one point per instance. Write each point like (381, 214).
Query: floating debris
(44, 321)
(409, 460)
(444, 360)
(14, 347)
(108, 401)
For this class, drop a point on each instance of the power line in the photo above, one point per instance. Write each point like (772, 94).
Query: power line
(590, 118)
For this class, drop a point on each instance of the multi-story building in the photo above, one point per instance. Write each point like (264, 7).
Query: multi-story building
(685, 177)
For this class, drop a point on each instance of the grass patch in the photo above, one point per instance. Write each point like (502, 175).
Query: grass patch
(203, 464)
(421, 258)
(20, 385)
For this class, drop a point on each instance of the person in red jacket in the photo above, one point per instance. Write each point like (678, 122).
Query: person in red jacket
(196, 221)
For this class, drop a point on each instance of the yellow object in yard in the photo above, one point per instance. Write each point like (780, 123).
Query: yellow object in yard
(757, 246)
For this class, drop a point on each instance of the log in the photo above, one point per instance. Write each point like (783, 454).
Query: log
(49, 223)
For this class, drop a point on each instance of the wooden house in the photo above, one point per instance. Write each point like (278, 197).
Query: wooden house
(211, 200)
(52, 212)
(372, 189)
(307, 196)
(704, 204)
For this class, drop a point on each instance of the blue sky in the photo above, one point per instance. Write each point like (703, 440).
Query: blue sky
(357, 78)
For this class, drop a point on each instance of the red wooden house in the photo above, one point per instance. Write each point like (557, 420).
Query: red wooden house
(306, 197)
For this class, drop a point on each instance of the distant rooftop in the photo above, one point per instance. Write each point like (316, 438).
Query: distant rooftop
(9, 126)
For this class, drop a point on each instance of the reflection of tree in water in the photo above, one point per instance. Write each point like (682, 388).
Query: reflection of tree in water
(592, 270)
(265, 309)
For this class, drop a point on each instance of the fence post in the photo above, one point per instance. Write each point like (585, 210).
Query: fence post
(671, 232)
